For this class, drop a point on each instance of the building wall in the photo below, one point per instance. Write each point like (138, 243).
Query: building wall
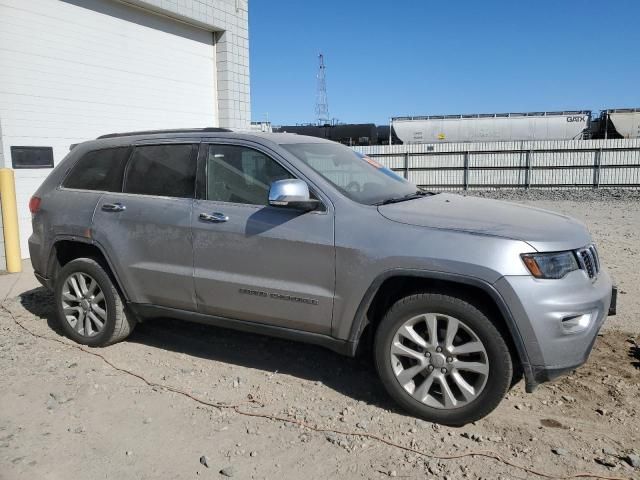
(230, 18)
(75, 69)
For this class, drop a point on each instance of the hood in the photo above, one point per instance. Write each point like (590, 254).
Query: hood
(544, 230)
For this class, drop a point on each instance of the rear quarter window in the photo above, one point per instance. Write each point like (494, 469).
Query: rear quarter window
(98, 170)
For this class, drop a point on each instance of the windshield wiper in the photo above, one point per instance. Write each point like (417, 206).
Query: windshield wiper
(410, 196)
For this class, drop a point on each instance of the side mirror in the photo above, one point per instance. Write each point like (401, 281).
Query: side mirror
(291, 193)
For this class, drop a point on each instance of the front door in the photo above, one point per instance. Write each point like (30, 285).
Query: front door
(255, 262)
(146, 229)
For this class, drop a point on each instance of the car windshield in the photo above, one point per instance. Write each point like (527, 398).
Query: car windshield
(357, 176)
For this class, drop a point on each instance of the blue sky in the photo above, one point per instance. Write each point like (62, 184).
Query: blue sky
(421, 57)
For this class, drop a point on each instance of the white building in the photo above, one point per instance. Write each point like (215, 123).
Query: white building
(71, 70)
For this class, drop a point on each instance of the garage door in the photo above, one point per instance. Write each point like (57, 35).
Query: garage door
(71, 71)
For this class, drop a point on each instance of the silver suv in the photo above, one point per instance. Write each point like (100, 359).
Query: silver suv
(302, 238)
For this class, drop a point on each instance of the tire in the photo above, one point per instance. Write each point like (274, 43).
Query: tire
(100, 304)
(428, 401)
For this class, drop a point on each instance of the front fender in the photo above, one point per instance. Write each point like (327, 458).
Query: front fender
(361, 321)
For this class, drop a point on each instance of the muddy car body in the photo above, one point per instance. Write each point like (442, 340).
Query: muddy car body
(301, 238)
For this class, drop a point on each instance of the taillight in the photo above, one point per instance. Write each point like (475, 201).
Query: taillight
(34, 204)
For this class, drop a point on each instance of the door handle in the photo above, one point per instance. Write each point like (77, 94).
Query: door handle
(215, 217)
(113, 207)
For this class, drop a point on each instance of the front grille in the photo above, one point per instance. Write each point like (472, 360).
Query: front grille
(588, 260)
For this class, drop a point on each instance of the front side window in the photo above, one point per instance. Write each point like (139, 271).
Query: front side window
(360, 179)
(241, 175)
(99, 170)
(162, 170)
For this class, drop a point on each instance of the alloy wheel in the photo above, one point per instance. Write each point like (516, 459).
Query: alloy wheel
(439, 360)
(83, 304)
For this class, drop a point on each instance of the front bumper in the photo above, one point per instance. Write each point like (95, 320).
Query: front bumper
(613, 305)
(558, 320)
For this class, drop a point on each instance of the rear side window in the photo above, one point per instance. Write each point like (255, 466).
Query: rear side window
(163, 170)
(99, 170)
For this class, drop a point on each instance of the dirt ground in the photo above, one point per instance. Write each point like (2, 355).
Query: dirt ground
(67, 414)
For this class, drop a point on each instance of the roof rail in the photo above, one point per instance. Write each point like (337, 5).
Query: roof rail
(151, 132)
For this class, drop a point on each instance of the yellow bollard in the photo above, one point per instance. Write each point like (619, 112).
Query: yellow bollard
(10, 220)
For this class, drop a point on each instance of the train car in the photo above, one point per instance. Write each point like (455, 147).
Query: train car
(351, 134)
(566, 125)
(616, 123)
(625, 122)
(264, 127)
(386, 135)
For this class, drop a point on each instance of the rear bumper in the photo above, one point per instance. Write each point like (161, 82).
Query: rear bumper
(44, 281)
(558, 320)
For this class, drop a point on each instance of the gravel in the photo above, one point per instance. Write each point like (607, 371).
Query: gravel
(228, 471)
(633, 460)
(575, 194)
(605, 462)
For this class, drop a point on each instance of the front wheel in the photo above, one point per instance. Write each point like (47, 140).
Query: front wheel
(442, 359)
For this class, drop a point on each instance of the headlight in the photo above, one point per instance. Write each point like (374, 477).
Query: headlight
(550, 265)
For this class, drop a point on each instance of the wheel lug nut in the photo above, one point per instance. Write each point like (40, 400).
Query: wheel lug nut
(449, 359)
(444, 370)
(438, 349)
(427, 354)
(430, 367)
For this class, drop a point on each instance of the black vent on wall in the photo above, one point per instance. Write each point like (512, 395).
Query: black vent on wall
(32, 157)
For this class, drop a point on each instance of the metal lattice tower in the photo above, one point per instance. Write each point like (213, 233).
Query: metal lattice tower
(322, 105)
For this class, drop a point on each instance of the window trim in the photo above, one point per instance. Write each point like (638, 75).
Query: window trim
(127, 167)
(71, 168)
(202, 174)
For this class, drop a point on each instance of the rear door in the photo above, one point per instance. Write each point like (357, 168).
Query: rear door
(256, 262)
(146, 229)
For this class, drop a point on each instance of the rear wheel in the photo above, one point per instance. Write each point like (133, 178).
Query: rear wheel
(442, 359)
(89, 307)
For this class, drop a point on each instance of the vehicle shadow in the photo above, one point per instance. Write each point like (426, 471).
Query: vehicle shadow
(634, 353)
(39, 302)
(353, 377)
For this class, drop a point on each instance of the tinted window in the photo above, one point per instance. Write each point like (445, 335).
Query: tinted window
(99, 170)
(32, 157)
(165, 170)
(241, 175)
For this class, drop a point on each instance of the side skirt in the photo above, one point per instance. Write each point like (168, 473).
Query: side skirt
(147, 311)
